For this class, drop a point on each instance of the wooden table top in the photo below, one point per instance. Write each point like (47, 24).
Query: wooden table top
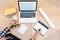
(51, 10)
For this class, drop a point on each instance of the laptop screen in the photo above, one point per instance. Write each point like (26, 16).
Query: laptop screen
(23, 6)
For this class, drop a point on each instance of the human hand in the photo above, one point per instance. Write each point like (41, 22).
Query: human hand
(13, 21)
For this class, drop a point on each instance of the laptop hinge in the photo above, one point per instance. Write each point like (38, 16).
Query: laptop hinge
(27, 11)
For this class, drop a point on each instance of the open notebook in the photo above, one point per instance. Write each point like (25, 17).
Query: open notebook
(41, 26)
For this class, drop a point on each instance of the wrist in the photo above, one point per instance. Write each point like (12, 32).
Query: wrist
(12, 23)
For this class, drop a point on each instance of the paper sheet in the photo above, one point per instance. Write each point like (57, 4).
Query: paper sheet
(22, 29)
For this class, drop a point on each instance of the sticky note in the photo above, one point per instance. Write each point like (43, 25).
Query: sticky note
(10, 11)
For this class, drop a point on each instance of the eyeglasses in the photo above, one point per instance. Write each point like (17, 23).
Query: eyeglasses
(16, 25)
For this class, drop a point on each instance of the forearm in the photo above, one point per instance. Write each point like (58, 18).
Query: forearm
(7, 29)
(11, 23)
(3, 32)
(35, 35)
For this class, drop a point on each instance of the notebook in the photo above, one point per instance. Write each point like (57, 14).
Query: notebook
(41, 26)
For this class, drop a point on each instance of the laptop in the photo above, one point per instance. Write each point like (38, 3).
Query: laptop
(27, 11)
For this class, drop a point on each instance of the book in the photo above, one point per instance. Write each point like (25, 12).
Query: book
(10, 11)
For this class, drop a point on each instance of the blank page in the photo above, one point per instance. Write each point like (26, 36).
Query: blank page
(22, 29)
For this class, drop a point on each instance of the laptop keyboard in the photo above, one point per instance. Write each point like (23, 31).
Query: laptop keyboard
(27, 15)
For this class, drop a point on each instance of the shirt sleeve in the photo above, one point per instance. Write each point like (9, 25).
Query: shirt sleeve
(4, 32)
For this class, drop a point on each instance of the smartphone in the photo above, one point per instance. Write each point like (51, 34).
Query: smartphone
(10, 36)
